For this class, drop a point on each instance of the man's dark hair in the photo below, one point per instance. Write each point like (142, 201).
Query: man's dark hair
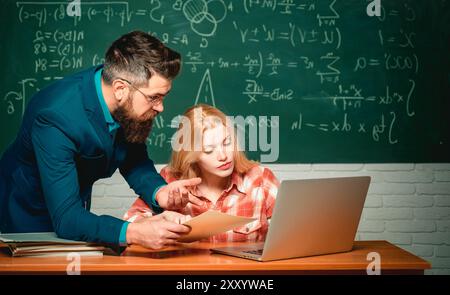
(136, 56)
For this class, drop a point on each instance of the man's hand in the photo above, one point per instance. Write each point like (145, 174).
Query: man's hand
(176, 217)
(175, 195)
(158, 231)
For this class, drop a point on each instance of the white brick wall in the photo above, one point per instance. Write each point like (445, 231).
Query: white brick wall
(407, 205)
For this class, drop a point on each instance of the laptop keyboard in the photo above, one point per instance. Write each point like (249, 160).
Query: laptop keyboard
(256, 252)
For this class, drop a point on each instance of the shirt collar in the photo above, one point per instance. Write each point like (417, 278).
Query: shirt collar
(237, 180)
(112, 124)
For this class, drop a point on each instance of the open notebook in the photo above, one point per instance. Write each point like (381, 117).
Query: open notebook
(47, 244)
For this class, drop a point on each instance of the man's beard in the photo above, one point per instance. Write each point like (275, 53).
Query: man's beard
(135, 130)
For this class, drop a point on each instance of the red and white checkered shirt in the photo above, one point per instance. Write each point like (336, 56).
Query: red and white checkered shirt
(250, 195)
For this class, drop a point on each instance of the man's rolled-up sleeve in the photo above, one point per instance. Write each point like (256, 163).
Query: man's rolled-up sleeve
(55, 154)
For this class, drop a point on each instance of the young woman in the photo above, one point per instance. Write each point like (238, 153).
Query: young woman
(230, 184)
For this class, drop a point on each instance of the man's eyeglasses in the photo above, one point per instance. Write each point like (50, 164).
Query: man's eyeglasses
(152, 99)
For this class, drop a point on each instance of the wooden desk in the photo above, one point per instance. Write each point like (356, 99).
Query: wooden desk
(197, 259)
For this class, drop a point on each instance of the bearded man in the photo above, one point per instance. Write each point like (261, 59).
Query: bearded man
(82, 128)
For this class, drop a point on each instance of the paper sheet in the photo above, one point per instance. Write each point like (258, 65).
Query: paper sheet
(211, 223)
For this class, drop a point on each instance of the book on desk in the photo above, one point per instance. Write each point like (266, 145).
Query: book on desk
(47, 244)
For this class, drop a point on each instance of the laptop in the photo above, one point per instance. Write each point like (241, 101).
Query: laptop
(311, 217)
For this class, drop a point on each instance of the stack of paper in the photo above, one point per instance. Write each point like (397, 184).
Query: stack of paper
(47, 244)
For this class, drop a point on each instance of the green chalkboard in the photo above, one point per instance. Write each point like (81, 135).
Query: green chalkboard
(338, 85)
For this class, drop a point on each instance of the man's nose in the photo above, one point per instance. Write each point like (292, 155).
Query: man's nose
(159, 107)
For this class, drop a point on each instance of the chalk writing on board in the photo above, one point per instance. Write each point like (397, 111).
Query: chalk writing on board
(291, 34)
(12, 97)
(205, 93)
(155, 13)
(255, 91)
(382, 129)
(44, 12)
(324, 67)
(204, 16)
